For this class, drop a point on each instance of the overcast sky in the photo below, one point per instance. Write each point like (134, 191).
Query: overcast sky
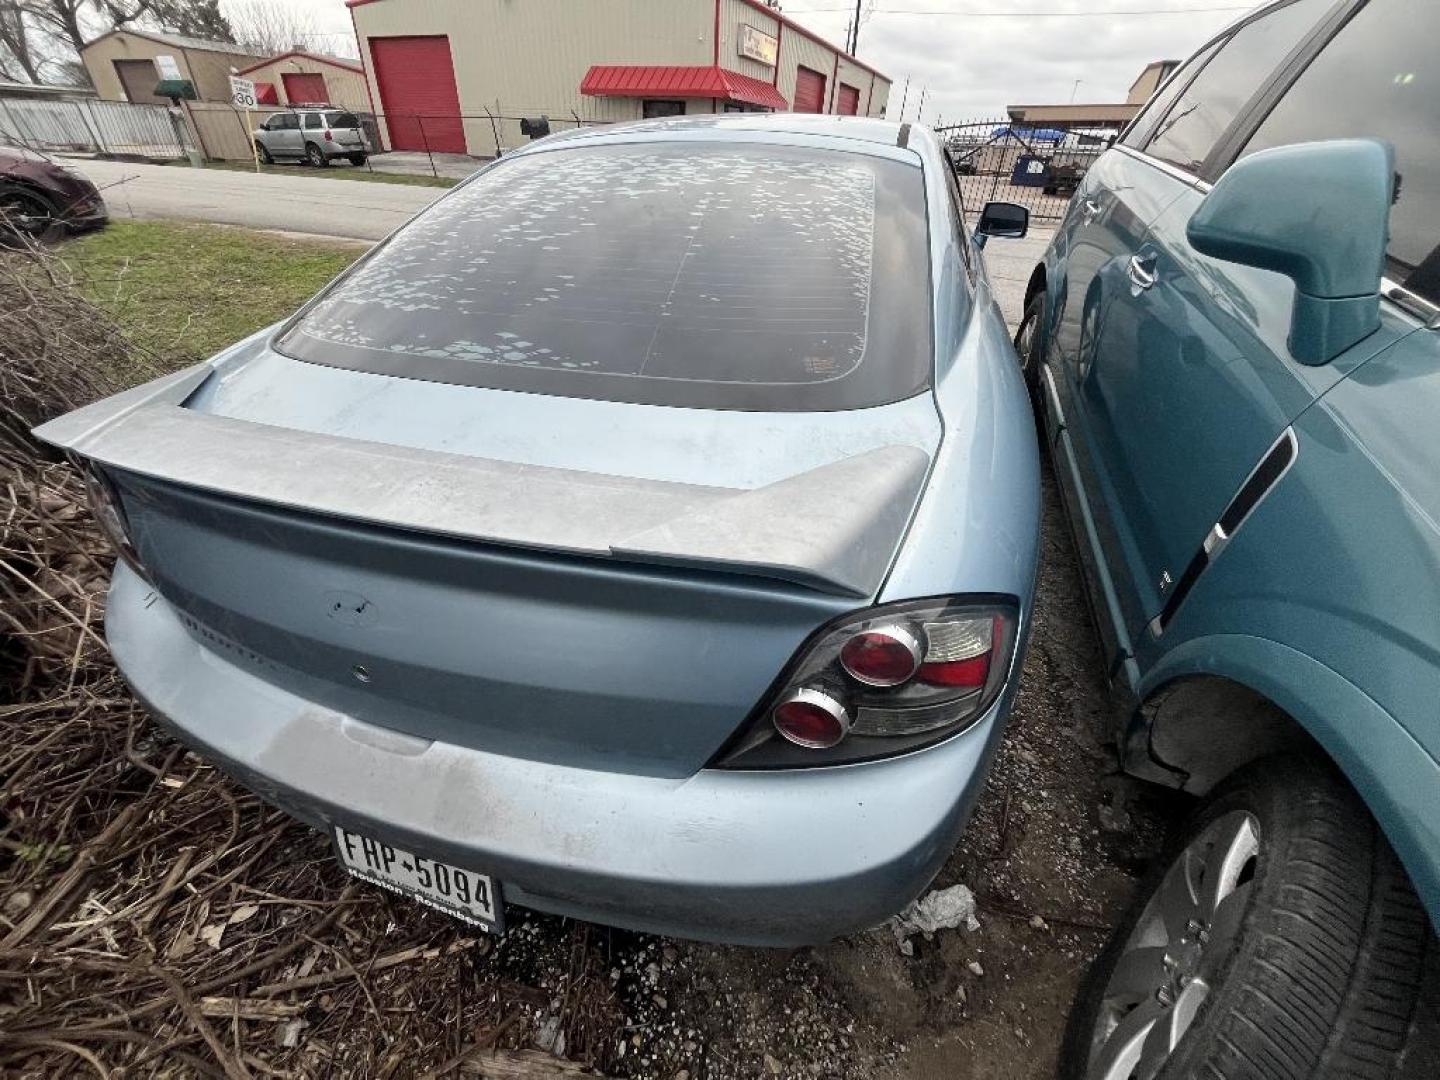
(971, 67)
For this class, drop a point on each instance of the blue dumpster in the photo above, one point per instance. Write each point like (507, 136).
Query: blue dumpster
(1029, 171)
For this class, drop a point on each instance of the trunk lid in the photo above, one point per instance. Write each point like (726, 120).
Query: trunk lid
(598, 584)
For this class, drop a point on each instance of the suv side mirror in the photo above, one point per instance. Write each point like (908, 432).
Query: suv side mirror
(1004, 219)
(1319, 214)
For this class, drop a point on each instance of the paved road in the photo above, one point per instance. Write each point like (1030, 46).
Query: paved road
(353, 209)
(1010, 263)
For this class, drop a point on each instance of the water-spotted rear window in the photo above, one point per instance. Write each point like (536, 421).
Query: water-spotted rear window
(723, 276)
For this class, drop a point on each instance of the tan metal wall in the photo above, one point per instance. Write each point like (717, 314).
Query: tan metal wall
(343, 86)
(733, 13)
(880, 103)
(221, 132)
(209, 71)
(797, 51)
(852, 74)
(527, 57)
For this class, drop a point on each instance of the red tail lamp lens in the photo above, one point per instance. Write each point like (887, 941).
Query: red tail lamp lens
(811, 718)
(971, 672)
(884, 656)
(328, 136)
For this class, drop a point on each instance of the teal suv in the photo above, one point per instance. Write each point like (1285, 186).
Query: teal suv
(1233, 345)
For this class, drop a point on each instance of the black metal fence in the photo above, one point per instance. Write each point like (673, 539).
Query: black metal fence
(1035, 165)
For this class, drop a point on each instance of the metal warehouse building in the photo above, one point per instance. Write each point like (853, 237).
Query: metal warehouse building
(436, 67)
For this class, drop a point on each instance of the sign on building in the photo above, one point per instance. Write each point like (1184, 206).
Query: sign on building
(167, 68)
(242, 92)
(758, 45)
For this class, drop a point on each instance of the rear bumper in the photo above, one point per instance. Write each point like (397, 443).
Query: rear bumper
(761, 858)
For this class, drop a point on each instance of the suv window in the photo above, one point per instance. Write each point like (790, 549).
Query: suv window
(284, 122)
(1209, 104)
(1139, 132)
(341, 120)
(1384, 59)
(314, 120)
(713, 276)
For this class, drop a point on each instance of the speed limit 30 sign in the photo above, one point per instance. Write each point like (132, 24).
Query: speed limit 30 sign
(242, 92)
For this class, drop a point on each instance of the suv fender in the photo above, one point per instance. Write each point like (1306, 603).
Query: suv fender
(1392, 772)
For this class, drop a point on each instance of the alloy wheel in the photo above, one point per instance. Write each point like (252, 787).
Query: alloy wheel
(1025, 342)
(1178, 951)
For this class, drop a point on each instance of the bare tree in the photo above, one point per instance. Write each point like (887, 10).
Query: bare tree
(18, 60)
(272, 26)
(40, 34)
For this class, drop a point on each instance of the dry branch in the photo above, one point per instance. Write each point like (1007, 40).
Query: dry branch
(122, 857)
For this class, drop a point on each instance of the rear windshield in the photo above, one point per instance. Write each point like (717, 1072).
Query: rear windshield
(341, 120)
(718, 276)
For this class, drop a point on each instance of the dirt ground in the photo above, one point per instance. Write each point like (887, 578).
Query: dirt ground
(189, 929)
(157, 919)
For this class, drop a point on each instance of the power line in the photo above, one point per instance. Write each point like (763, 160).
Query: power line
(1027, 14)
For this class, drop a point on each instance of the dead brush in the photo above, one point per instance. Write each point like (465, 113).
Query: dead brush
(155, 918)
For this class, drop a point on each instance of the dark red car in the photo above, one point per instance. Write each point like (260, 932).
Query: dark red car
(38, 195)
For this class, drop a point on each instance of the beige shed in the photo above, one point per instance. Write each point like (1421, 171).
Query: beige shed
(122, 64)
(298, 77)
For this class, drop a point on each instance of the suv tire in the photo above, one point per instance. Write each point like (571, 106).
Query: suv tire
(357, 160)
(1030, 344)
(1312, 968)
(266, 157)
(315, 156)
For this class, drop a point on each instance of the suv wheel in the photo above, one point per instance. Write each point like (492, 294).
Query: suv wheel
(316, 156)
(264, 151)
(1280, 939)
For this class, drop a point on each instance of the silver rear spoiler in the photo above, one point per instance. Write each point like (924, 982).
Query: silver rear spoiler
(834, 528)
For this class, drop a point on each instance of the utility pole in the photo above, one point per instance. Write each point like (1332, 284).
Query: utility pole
(904, 97)
(855, 33)
(1074, 89)
(923, 91)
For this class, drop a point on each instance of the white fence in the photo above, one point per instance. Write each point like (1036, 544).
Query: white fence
(100, 127)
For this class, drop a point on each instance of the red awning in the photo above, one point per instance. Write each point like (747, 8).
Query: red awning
(637, 80)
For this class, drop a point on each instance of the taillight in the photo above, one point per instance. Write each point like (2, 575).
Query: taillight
(109, 514)
(883, 681)
(811, 718)
(328, 136)
(958, 653)
(885, 656)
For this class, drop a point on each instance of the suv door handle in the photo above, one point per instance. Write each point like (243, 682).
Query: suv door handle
(1141, 271)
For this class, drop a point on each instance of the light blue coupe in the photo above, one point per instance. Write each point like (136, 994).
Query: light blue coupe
(646, 532)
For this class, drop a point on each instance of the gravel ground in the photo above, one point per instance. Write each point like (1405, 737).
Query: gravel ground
(1052, 855)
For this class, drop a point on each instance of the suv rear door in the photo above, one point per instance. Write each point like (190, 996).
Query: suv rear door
(284, 139)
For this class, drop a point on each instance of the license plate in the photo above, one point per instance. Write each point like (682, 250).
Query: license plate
(468, 896)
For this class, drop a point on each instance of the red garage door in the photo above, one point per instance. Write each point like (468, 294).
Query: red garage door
(809, 91)
(849, 100)
(417, 93)
(303, 86)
